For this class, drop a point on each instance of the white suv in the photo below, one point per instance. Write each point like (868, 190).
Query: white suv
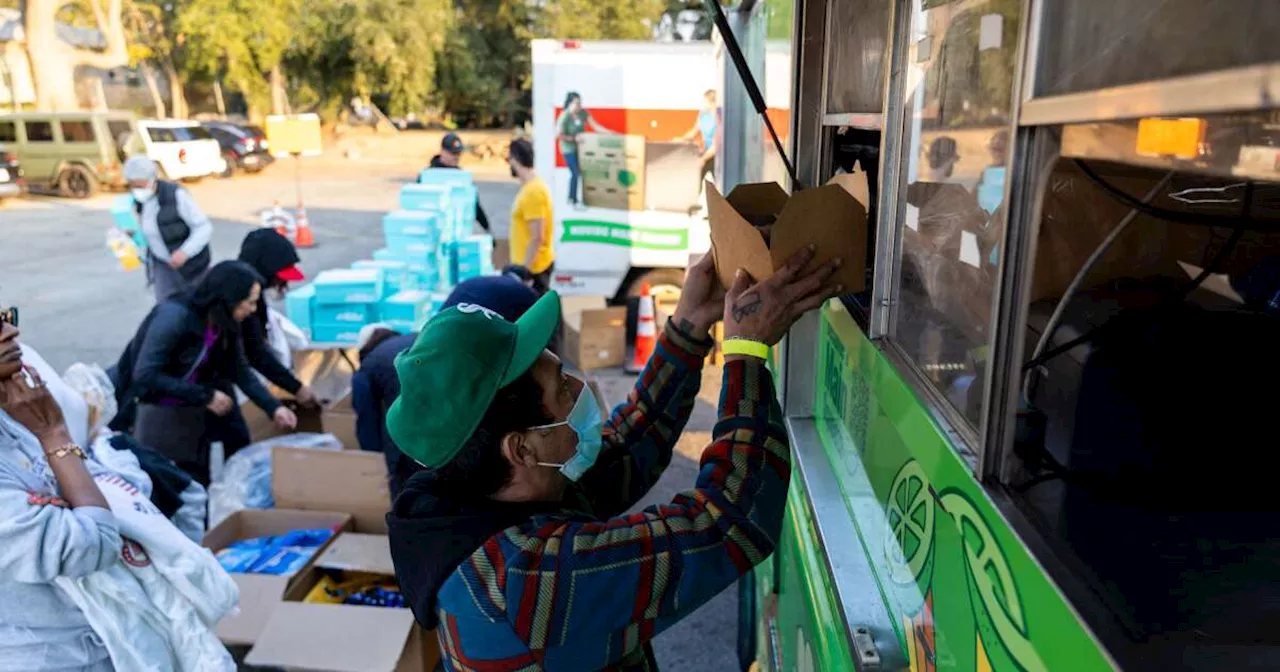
(185, 150)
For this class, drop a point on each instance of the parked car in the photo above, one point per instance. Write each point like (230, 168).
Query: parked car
(76, 153)
(184, 150)
(11, 182)
(243, 147)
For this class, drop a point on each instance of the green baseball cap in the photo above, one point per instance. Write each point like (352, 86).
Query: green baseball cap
(453, 371)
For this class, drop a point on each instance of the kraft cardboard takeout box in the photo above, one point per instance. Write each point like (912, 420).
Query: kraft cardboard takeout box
(833, 217)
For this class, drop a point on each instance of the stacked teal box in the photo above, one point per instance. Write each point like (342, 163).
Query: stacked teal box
(471, 257)
(395, 273)
(298, 306)
(345, 300)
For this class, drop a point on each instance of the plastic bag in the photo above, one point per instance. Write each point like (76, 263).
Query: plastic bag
(189, 519)
(92, 383)
(122, 462)
(246, 476)
(124, 249)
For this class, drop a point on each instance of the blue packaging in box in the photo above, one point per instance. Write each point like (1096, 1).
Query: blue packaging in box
(419, 223)
(393, 271)
(346, 313)
(337, 334)
(298, 306)
(410, 306)
(365, 285)
(429, 197)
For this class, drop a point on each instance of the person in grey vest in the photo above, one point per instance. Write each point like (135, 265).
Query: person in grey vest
(177, 232)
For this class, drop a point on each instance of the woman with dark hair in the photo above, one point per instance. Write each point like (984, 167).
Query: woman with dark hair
(276, 260)
(573, 122)
(183, 365)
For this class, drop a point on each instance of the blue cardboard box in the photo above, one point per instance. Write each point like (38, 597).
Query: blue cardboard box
(358, 314)
(340, 334)
(412, 306)
(411, 248)
(429, 197)
(446, 176)
(418, 223)
(341, 286)
(299, 305)
(394, 271)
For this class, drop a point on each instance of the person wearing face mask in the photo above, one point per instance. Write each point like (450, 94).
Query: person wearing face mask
(176, 231)
(514, 543)
(531, 218)
(182, 367)
(276, 260)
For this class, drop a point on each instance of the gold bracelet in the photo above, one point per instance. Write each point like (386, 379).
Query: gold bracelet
(69, 449)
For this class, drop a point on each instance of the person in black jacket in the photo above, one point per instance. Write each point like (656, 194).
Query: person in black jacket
(276, 260)
(451, 149)
(375, 386)
(182, 368)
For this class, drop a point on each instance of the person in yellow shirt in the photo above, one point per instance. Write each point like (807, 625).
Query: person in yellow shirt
(531, 222)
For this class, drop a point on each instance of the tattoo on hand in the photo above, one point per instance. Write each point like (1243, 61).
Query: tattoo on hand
(745, 307)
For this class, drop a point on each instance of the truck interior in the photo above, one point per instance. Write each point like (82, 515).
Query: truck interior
(1145, 450)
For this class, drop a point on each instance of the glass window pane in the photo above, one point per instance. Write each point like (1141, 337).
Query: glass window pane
(8, 132)
(77, 131)
(1093, 44)
(857, 43)
(957, 100)
(775, 85)
(39, 131)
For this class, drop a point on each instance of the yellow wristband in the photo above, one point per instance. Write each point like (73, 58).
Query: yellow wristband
(742, 346)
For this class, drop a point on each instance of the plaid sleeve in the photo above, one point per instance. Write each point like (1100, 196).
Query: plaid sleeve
(583, 595)
(642, 432)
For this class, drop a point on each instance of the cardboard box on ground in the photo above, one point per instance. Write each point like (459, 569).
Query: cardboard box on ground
(833, 217)
(613, 171)
(328, 372)
(346, 491)
(594, 336)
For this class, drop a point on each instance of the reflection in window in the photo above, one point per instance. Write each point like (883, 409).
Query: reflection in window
(77, 131)
(957, 101)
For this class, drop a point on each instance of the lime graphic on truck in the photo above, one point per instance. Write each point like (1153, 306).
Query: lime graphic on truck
(910, 517)
(998, 608)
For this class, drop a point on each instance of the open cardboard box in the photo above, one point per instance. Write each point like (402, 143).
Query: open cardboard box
(340, 637)
(594, 335)
(329, 373)
(260, 593)
(832, 217)
(351, 481)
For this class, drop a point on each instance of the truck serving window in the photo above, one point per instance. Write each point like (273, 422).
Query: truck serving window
(951, 213)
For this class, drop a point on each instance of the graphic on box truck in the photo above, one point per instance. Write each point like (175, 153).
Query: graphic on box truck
(625, 134)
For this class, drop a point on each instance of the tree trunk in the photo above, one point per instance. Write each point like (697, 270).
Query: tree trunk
(54, 62)
(279, 102)
(149, 76)
(218, 99)
(177, 97)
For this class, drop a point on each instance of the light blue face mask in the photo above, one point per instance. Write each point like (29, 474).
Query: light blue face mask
(587, 421)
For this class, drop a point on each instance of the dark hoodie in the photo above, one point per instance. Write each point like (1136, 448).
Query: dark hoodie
(268, 253)
(433, 531)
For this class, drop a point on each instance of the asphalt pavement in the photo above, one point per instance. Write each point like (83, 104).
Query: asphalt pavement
(76, 305)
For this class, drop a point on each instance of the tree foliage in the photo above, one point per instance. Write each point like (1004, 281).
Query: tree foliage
(238, 40)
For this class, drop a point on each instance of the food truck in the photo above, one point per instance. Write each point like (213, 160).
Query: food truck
(1039, 440)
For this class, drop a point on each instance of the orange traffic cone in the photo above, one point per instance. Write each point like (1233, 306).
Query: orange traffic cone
(646, 331)
(305, 237)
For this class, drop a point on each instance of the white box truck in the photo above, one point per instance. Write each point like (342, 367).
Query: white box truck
(620, 133)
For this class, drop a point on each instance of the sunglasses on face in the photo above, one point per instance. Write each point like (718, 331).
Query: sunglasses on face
(9, 316)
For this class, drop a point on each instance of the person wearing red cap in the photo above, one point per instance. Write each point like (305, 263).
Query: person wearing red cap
(276, 260)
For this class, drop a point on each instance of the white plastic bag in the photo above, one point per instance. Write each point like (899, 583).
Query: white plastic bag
(246, 476)
(189, 518)
(122, 462)
(92, 383)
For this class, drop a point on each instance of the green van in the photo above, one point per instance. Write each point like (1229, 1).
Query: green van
(76, 153)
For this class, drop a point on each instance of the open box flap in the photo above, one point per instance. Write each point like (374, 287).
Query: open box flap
(830, 218)
(735, 243)
(333, 638)
(855, 183)
(758, 202)
(360, 553)
(350, 481)
(259, 596)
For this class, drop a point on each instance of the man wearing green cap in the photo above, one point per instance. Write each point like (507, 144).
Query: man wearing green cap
(514, 542)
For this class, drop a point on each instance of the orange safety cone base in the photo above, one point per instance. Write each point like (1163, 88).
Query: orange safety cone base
(305, 236)
(646, 332)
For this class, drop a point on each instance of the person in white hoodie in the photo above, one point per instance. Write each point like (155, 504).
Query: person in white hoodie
(54, 522)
